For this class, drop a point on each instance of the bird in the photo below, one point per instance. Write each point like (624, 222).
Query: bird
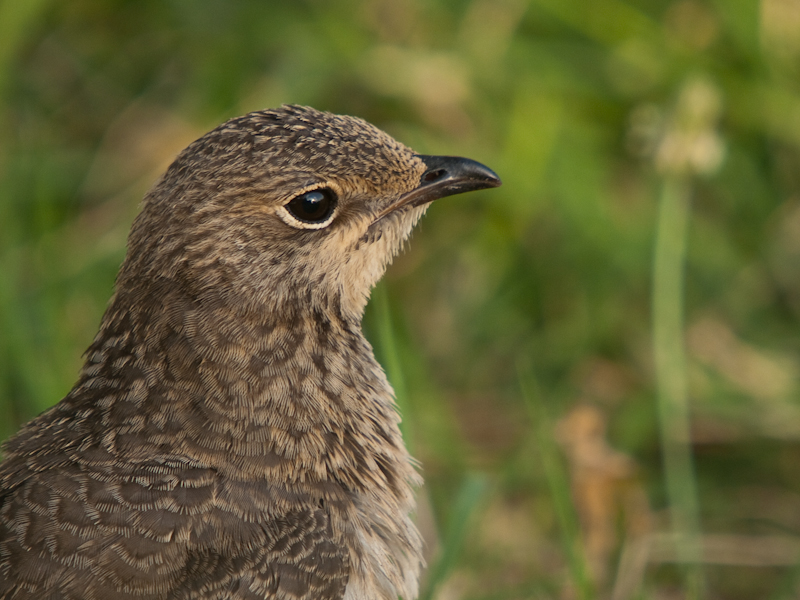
(231, 435)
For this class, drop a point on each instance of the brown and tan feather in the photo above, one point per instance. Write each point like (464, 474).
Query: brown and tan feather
(231, 435)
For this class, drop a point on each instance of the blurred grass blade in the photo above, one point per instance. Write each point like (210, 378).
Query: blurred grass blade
(16, 20)
(390, 353)
(670, 361)
(558, 482)
(469, 497)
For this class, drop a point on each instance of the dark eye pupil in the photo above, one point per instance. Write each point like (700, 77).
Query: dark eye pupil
(314, 206)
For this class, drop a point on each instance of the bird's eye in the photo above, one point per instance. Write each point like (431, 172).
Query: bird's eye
(315, 206)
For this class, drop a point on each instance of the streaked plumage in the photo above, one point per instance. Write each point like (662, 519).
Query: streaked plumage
(231, 435)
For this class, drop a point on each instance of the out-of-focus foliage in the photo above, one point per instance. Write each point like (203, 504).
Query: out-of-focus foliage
(587, 109)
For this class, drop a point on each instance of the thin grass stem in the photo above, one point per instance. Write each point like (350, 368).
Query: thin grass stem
(671, 383)
(390, 353)
(469, 497)
(558, 483)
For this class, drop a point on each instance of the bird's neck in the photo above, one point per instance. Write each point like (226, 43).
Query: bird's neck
(289, 397)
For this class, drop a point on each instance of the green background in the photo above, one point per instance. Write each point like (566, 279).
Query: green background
(511, 306)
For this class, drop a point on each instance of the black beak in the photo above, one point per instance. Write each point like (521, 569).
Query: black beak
(446, 176)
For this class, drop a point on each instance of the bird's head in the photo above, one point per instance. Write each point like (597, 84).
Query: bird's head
(288, 206)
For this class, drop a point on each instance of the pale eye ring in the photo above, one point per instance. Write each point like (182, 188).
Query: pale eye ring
(313, 209)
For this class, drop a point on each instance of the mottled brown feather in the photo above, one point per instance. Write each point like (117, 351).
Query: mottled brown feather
(231, 435)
